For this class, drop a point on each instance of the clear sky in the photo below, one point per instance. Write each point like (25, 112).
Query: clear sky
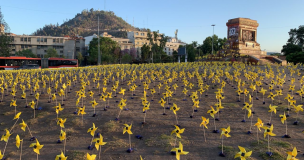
(193, 18)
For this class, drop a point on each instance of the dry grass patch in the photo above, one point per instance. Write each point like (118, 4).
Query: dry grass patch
(230, 105)
(111, 126)
(72, 155)
(278, 148)
(43, 114)
(166, 141)
(117, 143)
(9, 113)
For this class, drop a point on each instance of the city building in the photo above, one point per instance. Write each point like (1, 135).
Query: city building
(1, 28)
(123, 43)
(139, 38)
(67, 46)
(172, 45)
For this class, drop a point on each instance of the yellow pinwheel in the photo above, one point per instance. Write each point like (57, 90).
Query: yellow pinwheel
(81, 110)
(243, 154)
(58, 108)
(61, 157)
(127, 129)
(178, 131)
(91, 157)
(225, 132)
(268, 131)
(61, 122)
(6, 136)
(212, 112)
(18, 141)
(92, 130)
(36, 146)
(23, 125)
(292, 155)
(174, 108)
(62, 135)
(179, 151)
(99, 142)
(17, 116)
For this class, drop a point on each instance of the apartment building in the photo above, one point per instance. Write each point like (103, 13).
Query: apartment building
(1, 28)
(139, 38)
(67, 46)
(123, 43)
(172, 45)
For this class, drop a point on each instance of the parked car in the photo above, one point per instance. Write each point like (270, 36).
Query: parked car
(29, 66)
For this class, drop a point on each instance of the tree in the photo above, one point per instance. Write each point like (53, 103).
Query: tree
(107, 47)
(218, 44)
(145, 50)
(26, 53)
(290, 48)
(80, 58)
(51, 52)
(297, 57)
(296, 41)
(5, 39)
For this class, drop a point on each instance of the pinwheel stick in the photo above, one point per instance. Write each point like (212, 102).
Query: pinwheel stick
(145, 116)
(204, 133)
(21, 149)
(268, 144)
(34, 112)
(5, 146)
(222, 144)
(214, 123)
(14, 125)
(251, 122)
(118, 114)
(29, 130)
(99, 152)
(258, 135)
(286, 126)
(130, 140)
(175, 141)
(176, 119)
(270, 118)
(37, 156)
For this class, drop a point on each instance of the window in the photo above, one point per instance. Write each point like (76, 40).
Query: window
(136, 33)
(38, 39)
(25, 46)
(77, 49)
(25, 39)
(13, 50)
(61, 40)
(61, 51)
(77, 41)
(54, 40)
(45, 51)
(22, 46)
(126, 47)
(142, 43)
(29, 39)
(38, 47)
(21, 39)
(45, 40)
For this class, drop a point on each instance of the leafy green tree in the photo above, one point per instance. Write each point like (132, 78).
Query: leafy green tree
(157, 49)
(5, 39)
(218, 43)
(107, 48)
(80, 58)
(295, 42)
(291, 48)
(297, 57)
(51, 52)
(145, 51)
(26, 53)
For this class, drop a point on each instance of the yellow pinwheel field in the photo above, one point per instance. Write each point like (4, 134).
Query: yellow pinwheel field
(168, 94)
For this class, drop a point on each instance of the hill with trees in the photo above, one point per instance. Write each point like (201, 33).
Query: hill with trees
(86, 23)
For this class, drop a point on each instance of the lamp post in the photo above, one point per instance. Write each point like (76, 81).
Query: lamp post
(212, 36)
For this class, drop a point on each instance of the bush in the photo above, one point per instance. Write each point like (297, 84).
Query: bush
(126, 58)
(297, 57)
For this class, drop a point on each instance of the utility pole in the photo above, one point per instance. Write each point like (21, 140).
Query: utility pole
(212, 36)
(99, 54)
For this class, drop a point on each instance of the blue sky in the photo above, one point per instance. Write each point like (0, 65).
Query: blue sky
(193, 18)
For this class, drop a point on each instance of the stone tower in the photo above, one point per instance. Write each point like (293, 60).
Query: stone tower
(242, 36)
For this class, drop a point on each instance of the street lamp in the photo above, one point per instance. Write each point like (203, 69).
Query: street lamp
(212, 36)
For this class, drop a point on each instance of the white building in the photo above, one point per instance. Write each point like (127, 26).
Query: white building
(172, 45)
